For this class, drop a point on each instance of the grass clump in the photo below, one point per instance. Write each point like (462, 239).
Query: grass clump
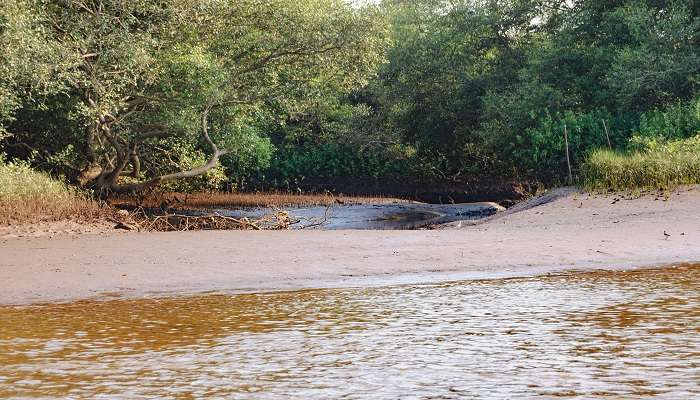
(658, 165)
(29, 196)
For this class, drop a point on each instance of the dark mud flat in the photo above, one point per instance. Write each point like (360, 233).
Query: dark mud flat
(376, 216)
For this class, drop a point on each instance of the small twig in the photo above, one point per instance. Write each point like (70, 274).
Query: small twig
(326, 217)
(568, 160)
(607, 135)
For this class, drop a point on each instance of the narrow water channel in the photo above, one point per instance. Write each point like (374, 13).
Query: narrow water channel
(595, 335)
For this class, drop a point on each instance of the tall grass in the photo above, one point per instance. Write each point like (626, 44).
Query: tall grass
(28, 196)
(663, 167)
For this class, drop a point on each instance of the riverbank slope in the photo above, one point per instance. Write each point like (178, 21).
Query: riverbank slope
(573, 231)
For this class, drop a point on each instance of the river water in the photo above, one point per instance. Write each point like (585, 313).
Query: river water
(389, 216)
(593, 335)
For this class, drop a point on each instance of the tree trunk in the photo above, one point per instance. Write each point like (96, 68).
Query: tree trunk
(106, 182)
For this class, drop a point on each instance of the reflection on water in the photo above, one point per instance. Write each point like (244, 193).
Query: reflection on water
(632, 334)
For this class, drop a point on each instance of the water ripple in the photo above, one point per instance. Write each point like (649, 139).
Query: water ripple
(596, 335)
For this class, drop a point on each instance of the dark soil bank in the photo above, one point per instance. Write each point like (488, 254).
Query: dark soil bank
(504, 193)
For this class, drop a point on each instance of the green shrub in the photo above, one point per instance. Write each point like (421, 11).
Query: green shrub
(664, 166)
(678, 121)
(251, 152)
(540, 152)
(18, 183)
(659, 127)
(295, 164)
(27, 195)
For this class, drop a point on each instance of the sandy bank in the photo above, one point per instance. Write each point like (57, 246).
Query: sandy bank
(575, 231)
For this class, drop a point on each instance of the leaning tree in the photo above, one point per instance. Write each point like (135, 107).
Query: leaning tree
(143, 84)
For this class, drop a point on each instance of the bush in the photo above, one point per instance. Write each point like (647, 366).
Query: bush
(678, 121)
(663, 166)
(294, 165)
(27, 195)
(657, 127)
(539, 151)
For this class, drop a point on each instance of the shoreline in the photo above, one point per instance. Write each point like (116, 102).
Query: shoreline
(574, 231)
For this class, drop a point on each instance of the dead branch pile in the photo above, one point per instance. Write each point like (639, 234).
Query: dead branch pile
(142, 219)
(181, 222)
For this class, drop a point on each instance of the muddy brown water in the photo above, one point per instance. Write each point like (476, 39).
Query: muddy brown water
(593, 335)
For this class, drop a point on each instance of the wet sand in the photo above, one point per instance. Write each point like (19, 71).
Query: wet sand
(573, 232)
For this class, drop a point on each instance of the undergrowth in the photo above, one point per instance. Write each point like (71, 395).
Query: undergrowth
(28, 196)
(657, 166)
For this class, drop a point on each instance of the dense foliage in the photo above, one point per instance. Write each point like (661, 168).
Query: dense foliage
(490, 86)
(147, 92)
(124, 95)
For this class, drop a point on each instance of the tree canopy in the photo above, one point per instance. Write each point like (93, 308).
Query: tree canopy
(143, 86)
(125, 95)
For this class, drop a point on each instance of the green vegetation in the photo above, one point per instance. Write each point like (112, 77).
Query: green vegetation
(666, 166)
(127, 94)
(189, 95)
(26, 194)
(18, 182)
(664, 152)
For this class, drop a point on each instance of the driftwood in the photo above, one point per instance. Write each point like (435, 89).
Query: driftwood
(177, 222)
(281, 220)
(182, 222)
(166, 220)
(314, 222)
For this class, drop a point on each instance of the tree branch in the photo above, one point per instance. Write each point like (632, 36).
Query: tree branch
(210, 164)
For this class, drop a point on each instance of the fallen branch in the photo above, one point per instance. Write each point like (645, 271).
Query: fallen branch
(314, 223)
(168, 222)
